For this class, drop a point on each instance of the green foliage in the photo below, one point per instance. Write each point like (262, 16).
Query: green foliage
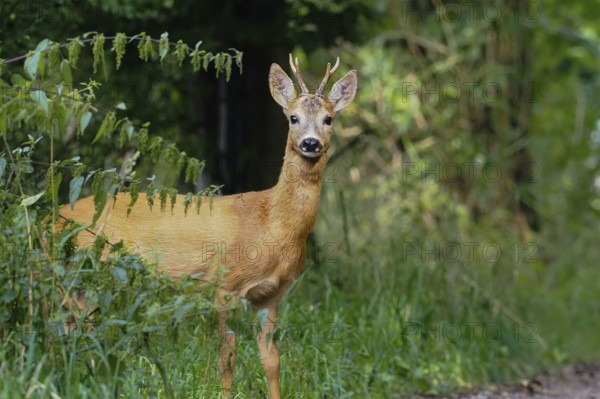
(98, 51)
(42, 268)
(368, 318)
(70, 102)
(107, 126)
(182, 50)
(145, 47)
(421, 111)
(163, 46)
(119, 43)
(74, 47)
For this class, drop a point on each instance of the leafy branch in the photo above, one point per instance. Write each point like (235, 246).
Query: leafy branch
(222, 61)
(62, 110)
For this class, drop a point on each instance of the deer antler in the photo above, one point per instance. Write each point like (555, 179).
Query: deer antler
(328, 74)
(296, 70)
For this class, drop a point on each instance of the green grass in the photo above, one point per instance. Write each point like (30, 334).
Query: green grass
(342, 335)
(367, 318)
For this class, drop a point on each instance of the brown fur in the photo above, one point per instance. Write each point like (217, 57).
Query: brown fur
(259, 238)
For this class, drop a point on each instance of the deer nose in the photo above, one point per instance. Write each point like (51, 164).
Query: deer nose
(310, 145)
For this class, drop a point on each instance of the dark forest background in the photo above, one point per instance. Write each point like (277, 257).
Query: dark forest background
(456, 243)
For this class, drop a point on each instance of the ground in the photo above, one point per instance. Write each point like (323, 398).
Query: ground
(576, 382)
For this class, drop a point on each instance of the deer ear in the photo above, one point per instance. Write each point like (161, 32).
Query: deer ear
(282, 87)
(343, 91)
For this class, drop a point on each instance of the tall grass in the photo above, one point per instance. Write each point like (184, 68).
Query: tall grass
(404, 292)
(367, 321)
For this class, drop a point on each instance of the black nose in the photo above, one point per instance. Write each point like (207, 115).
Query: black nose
(310, 145)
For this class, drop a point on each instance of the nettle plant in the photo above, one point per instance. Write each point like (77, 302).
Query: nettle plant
(38, 108)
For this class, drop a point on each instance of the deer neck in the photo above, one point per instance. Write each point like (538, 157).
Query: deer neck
(296, 196)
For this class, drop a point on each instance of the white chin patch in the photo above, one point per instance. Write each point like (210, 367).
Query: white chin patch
(313, 154)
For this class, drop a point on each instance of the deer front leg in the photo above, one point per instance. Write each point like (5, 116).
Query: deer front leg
(267, 347)
(226, 352)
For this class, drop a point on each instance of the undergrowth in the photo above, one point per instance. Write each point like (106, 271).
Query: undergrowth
(373, 316)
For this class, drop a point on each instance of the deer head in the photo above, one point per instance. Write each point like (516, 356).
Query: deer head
(310, 116)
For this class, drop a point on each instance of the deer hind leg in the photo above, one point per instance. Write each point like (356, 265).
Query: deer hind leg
(269, 354)
(227, 350)
(80, 310)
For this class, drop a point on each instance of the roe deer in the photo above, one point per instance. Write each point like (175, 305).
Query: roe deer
(259, 237)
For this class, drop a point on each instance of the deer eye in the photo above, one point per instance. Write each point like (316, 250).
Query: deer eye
(327, 120)
(293, 119)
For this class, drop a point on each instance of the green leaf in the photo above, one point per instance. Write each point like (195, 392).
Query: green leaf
(3, 164)
(84, 121)
(75, 186)
(3, 123)
(130, 131)
(43, 45)
(121, 105)
(134, 192)
(151, 312)
(206, 59)
(8, 296)
(228, 63)
(107, 126)
(31, 64)
(238, 59)
(54, 185)
(59, 270)
(120, 274)
(163, 53)
(105, 300)
(39, 96)
(182, 311)
(31, 200)
(218, 61)
(99, 195)
(187, 201)
(99, 202)
(61, 117)
(18, 80)
(34, 62)
(163, 45)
